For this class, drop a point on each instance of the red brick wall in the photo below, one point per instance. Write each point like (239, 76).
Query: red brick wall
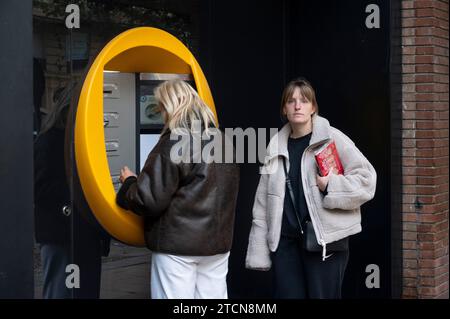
(425, 148)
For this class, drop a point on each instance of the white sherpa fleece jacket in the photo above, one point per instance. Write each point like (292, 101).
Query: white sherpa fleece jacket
(334, 216)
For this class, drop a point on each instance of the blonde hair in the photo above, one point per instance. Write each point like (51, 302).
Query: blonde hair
(182, 106)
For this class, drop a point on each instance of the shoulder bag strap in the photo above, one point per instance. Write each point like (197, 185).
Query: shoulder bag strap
(291, 194)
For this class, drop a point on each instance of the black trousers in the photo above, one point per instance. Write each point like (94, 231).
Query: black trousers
(299, 274)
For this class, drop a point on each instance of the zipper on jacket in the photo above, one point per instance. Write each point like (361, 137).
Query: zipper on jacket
(324, 250)
(320, 239)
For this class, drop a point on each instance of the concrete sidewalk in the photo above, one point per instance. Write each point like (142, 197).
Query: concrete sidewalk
(125, 273)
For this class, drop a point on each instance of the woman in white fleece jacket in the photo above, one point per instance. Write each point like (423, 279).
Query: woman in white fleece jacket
(330, 203)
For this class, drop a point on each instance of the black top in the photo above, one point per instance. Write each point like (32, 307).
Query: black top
(290, 226)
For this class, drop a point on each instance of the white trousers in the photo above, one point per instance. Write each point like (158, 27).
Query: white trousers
(189, 277)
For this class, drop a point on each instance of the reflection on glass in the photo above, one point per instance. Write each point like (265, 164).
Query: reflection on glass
(116, 270)
(149, 111)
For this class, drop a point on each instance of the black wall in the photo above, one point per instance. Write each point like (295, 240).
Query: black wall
(249, 51)
(16, 150)
(242, 54)
(349, 65)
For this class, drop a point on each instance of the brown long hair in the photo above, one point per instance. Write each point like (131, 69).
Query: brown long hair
(306, 91)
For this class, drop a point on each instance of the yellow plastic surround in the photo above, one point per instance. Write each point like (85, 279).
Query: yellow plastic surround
(142, 49)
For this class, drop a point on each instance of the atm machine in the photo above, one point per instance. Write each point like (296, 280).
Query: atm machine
(116, 123)
(130, 118)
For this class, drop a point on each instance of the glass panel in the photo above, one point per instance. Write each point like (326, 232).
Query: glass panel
(148, 106)
(67, 232)
(53, 196)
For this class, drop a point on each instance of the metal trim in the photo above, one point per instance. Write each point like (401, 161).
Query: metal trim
(165, 76)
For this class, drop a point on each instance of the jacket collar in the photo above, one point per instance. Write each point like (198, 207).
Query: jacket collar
(278, 143)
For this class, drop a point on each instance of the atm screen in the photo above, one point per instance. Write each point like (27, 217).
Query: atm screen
(147, 143)
(149, 116)
(150, 120)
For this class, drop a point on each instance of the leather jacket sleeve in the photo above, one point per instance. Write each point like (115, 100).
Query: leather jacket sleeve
(151, 192)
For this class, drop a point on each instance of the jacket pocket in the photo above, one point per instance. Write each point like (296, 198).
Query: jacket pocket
(333, 220)
(274, 216)
(276, 185)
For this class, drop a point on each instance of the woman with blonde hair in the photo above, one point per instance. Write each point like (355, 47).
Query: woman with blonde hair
(188, 206)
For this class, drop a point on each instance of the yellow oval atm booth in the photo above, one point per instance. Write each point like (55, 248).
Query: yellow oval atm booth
(139, 50)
